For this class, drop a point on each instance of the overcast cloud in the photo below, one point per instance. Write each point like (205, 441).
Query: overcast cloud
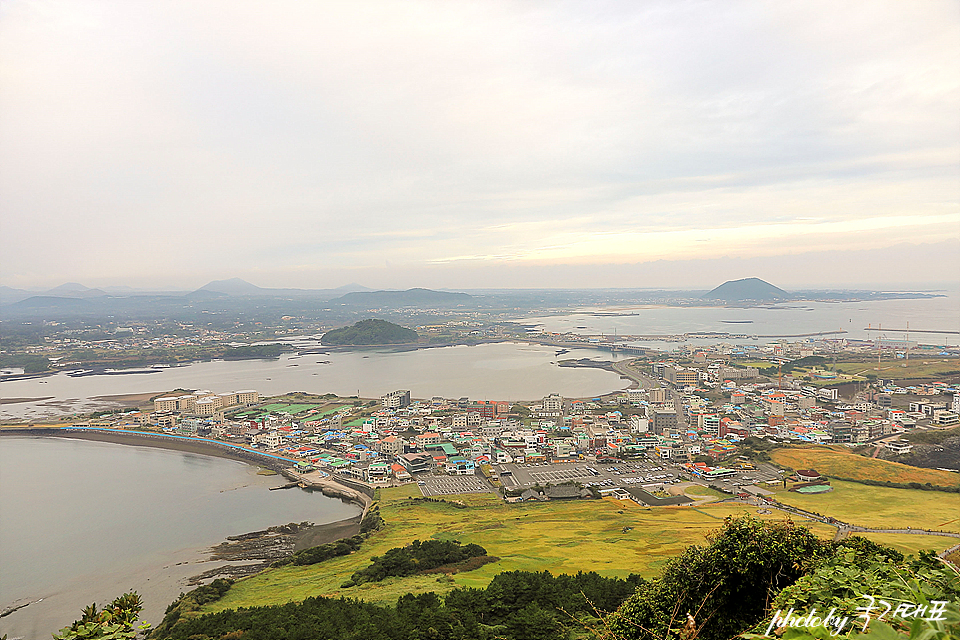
(486, 144)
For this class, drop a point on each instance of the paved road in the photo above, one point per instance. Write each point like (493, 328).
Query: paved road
(622, 367)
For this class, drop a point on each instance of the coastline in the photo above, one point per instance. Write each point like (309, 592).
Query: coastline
(137, 438)
(329, 486)
(182, 570)
(101, 368)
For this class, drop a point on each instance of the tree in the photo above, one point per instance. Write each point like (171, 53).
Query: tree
(534, 623)
(117, 621)
(726, 586)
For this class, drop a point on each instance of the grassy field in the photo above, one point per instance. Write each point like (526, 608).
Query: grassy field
(611, 537)
(882, 507)
(918, 368)
(840, 462)
(608, 536)
(909, 544)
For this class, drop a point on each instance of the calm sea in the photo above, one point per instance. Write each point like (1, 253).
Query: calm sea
(501, 371)
(794, 318)
(84, 521)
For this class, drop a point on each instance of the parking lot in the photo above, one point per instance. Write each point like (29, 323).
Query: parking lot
(634, 473)
(560, 475)
(451, 485)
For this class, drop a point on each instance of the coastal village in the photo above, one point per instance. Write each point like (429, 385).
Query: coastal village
(692, 412)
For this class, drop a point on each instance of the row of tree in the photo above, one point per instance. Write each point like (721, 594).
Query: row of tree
(516, 605)
(416, 557)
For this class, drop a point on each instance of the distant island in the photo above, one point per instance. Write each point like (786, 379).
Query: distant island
(747, 289)
(757, 290)
(254, 351)
(369, 332)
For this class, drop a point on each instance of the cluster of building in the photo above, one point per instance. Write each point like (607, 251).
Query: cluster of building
(697, 413)
(136, 336)
(205, 404)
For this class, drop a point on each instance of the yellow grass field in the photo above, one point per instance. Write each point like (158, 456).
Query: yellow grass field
(918, 367)
(909, 544)
(840, 462)
(608, 536)
(882, 507)
(561, 537)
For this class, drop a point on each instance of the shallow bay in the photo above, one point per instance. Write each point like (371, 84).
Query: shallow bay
(501, 371)
(83, 521)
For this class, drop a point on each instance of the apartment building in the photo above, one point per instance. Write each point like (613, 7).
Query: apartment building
(664, 421)
(396, 399)
(680, 376)
(737, 373)
(552, 404)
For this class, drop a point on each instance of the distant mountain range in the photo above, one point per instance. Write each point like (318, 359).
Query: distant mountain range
(747, 290)
(240, 287)
(236, 287)
(233, 296)
(426, 298)
(72, 290)
(238, 298)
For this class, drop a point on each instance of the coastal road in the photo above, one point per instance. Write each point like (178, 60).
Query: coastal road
(623, 368)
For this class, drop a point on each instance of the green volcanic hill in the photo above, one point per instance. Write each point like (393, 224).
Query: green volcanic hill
(752, 289)
(367, 332)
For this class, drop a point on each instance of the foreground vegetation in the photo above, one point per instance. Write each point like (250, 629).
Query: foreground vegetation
(610, 537)
(750, 569)
(517, 605)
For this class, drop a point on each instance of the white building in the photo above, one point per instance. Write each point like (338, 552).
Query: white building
(639, 425)
(553, 403)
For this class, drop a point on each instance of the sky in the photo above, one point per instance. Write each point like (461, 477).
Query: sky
(478, 144)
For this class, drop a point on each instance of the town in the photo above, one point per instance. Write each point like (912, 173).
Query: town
(700, 414)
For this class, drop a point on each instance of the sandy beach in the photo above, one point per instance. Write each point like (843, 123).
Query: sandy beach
(130, 400)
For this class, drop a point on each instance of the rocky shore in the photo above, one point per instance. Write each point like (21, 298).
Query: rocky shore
(251, 553)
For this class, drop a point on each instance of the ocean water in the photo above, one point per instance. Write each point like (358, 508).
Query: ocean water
(500, 371)
(84, 521)
(786, 319)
